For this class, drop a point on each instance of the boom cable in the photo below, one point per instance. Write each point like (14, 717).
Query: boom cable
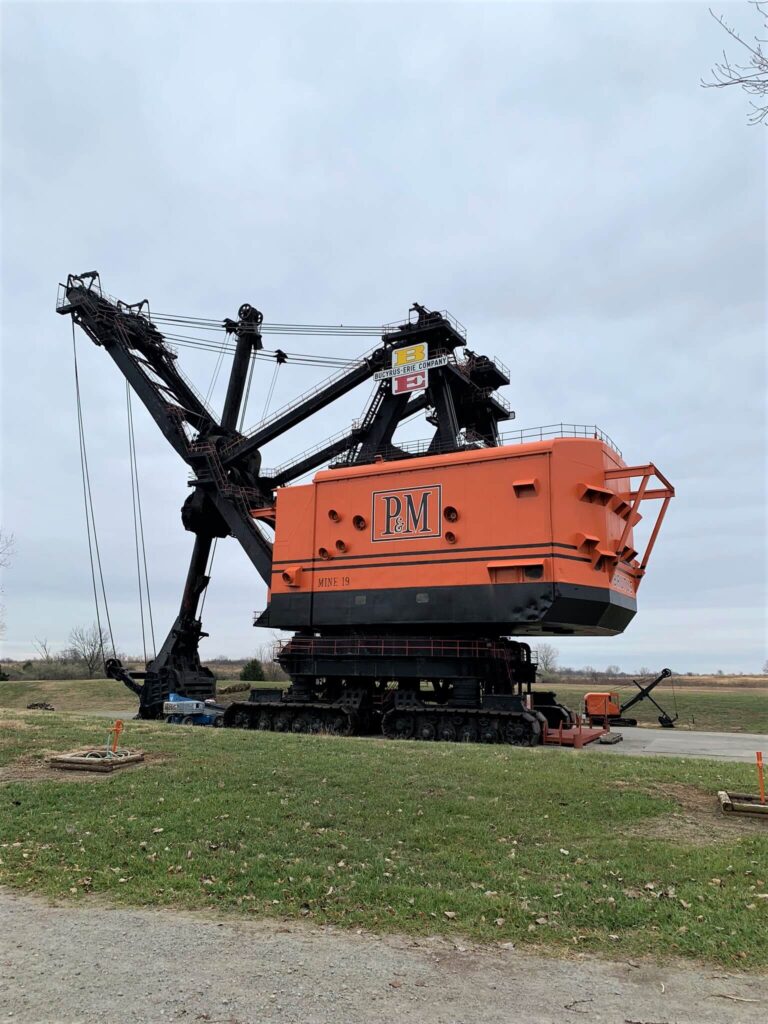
(213, 345)
(135, 517)
(342, 330)
(271, 390)
(208, 574)
(90, 519)
(246, 395)
(216, 370)
(138, 528)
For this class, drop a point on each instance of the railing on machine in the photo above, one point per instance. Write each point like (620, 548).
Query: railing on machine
(525, 436)
(302, 399)
(389, 647)
(354, 426)
(436, 314)
(465, 440)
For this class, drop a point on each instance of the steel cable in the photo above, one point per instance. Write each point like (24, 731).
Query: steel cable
(90, 524)
(271, 391)
(138, 508)
(135, 516)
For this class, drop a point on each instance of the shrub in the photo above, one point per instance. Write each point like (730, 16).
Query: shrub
(252, 671)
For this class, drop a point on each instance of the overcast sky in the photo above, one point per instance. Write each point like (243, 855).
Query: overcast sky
(551, 174)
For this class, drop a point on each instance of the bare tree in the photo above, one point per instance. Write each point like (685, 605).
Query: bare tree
(266, 655)
(6, 551)
(87, 645)
(43, 648)
(612, 671)
(547, 657)
(765, 667)
(752, 77)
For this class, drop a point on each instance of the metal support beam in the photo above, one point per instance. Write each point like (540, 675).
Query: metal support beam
(445, 414)
(247, 533)
(380, 432)
(306, 464)
(248, 339)
(302, 409)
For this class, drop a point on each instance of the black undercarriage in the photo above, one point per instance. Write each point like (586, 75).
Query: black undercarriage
(427, 688)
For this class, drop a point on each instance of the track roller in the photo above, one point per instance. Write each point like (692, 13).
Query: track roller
(451, 726)
(279, 716)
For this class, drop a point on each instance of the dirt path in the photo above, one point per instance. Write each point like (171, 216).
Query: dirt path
(81, 964)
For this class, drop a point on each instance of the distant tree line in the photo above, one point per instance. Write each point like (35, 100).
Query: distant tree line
(547, 657)
(83, 657)
(84, 654)
(87, 648)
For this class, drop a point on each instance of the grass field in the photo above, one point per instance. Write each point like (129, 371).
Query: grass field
(716, 709)
(538, 847)
(70, 695)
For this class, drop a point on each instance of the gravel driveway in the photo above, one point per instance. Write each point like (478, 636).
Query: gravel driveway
(79, 964)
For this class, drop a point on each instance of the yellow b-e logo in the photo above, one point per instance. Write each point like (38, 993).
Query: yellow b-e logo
(412, 354)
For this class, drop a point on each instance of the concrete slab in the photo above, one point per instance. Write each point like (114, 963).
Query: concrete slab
(721, 746)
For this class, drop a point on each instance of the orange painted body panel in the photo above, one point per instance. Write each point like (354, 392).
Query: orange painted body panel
(601, 704)
(540, 513)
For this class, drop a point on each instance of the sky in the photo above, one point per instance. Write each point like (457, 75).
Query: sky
(552, 174)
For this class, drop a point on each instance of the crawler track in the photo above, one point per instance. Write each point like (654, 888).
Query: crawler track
(462, 725)
(275, 716)
(448, 725)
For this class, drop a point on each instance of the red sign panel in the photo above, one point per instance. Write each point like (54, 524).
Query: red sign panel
(409, 382)
(412, 514)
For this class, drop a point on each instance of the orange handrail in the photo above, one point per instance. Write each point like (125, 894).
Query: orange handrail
(761, 781)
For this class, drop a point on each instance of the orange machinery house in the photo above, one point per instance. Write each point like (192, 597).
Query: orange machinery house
(530, 538)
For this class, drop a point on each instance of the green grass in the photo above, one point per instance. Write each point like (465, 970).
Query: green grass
(69, 694)
(716, 710)
(711, 710)
(537, 847)
(83, 695)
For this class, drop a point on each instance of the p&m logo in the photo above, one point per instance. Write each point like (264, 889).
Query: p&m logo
(411, 514)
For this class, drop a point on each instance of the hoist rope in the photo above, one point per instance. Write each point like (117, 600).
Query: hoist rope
(247, 393)
(90, 519)
(216, 370)
(138, 529)
(135, 517)
(208, 574)
(674, 696)
(271, 391)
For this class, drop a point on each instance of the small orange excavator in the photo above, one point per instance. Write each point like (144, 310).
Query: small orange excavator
(605, 709)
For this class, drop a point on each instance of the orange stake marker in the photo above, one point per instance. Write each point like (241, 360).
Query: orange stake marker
(116, 729)
(761, 781)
